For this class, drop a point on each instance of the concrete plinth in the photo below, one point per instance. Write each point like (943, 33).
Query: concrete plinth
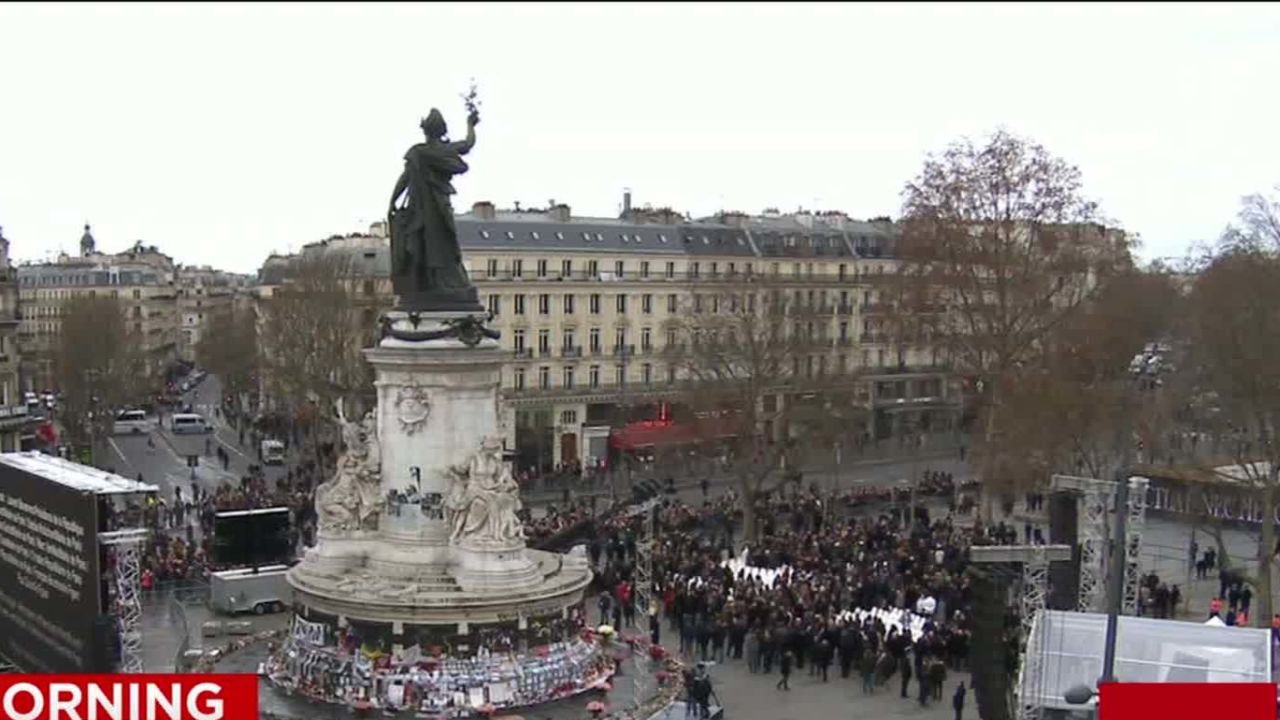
(437, 379)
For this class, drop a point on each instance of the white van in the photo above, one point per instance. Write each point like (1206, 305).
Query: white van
(272, 452)
(189, 424)
(131, 422)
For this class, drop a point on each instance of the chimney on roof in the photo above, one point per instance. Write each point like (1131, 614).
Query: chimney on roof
(626, 202)
(560, 213)
(483, 210)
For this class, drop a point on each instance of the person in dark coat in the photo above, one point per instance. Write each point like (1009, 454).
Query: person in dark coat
(822, 657)
(848, 651)
(704, 638)
(784, 667)
(702, 693)
(905, 667)
(957, 701)
(937, 677)
(867, 666)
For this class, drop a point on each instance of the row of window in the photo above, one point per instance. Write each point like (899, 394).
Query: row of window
(624, 237)
(542, 269)
(811, 299)
(811, 366)
(568, 376)
(67, 294)
(569, 337)
(569, 304)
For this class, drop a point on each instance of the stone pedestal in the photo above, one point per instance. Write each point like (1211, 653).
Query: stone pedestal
(435, 403)
(446, 556)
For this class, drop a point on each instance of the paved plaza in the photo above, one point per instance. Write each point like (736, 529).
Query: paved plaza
(1166, 551)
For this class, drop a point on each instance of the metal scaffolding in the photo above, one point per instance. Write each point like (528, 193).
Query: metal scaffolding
(1031, 565)
(642, 589)
(1094, 500)
(643, 585)
(1136, 522)
(124, 549)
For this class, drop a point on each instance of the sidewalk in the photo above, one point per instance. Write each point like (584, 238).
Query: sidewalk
(826, 475)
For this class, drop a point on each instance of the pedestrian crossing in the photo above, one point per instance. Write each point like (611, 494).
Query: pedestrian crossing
(209, 477)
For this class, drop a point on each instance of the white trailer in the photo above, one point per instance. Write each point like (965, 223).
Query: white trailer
(246, 590)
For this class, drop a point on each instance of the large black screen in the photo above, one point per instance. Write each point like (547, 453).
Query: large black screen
(49, 574)
(250, 538)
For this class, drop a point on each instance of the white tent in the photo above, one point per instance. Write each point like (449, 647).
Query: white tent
(1071, 645)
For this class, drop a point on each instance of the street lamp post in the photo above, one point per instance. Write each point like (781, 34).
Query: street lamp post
(1082, 694)
(623, 354)
(91, 386)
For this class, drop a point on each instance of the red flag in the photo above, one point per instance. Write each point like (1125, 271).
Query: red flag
(47, 433)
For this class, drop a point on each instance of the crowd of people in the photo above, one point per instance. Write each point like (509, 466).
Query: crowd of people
(801, 600)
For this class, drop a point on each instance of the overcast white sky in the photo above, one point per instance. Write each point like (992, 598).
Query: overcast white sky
(224, 132)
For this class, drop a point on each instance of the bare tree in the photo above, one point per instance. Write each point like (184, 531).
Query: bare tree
(1259, 222)
(311, 337)
(742, 350)
(1001, 236)
(228, 347)
(99, 365)
(1074, 407)
(1234, 333)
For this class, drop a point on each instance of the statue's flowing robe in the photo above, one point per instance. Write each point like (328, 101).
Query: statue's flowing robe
(424, 238)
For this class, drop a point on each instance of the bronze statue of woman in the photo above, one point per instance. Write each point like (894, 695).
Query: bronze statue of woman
(426, 262)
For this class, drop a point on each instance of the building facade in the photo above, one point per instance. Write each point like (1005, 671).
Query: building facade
(584, 304)
(15, 425)
(203, 294)
(142, 278)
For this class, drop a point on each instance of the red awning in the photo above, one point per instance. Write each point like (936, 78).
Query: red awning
(657, 433)
(652, 434)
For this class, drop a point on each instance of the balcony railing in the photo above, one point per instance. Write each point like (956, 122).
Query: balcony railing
(624, 350)
(876, 308)
(896, 369)
(660, 277)
(544, 352)
(571, 352)
(523, 353)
